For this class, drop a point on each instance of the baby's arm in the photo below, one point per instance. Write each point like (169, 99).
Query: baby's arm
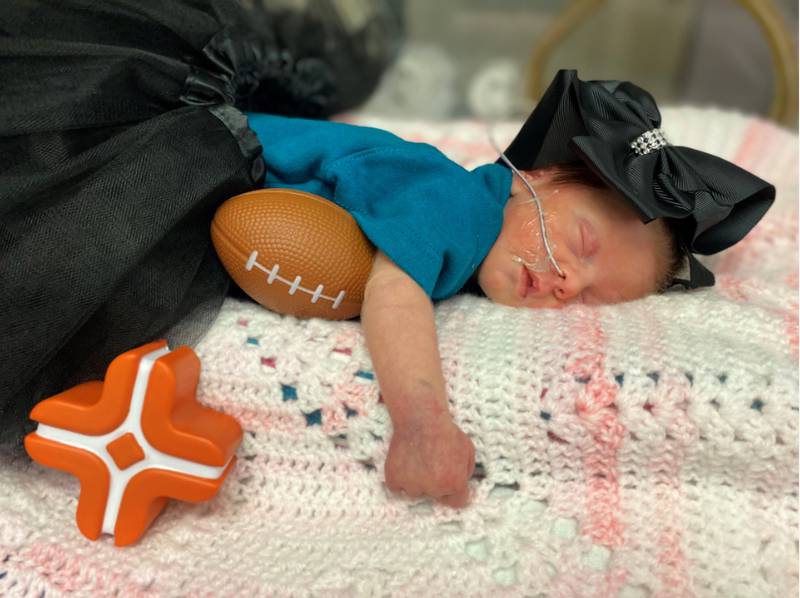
(429, 454)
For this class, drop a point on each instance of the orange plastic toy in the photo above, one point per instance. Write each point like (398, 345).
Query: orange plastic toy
(135, 440)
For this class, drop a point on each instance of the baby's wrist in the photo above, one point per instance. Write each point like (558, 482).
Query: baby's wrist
(420, 411)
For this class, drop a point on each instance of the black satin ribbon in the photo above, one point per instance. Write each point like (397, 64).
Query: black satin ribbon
(714, 202)
(230, 74)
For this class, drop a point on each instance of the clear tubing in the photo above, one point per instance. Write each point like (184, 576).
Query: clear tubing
(533, 257)
(535, 200)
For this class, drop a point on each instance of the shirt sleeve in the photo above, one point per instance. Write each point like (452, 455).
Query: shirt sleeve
(433, 218)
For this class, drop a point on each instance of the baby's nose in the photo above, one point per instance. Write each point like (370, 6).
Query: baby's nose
(568, 287)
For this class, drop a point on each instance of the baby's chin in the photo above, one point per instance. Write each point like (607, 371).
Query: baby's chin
(499, 288)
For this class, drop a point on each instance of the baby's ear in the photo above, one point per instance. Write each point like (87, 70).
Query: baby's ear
(537, 179)
(544, 172)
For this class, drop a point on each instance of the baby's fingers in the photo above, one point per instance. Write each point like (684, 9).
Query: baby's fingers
(456, 500)
(401, 487)
(400, 484)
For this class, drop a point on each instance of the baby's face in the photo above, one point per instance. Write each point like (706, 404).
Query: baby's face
(605, 251)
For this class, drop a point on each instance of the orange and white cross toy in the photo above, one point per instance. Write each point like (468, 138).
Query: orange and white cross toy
(136, 439)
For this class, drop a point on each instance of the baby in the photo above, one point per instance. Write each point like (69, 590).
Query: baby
(593, 208)
(593, 232)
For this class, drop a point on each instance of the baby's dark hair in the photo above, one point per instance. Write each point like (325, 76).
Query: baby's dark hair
(578, 173)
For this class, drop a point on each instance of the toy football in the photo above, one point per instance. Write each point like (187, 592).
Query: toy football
(294, 252)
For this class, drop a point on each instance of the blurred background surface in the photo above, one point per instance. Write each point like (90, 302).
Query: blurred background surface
(491, 59)
(472, 58)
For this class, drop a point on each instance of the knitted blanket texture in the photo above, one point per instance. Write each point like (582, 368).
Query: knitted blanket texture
(647, 449)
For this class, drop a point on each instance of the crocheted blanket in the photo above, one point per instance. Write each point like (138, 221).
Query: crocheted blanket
(637, 450)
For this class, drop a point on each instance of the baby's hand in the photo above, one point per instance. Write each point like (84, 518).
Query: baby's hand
(431, 457)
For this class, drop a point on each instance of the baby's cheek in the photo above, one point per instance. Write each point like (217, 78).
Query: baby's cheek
(528, 242)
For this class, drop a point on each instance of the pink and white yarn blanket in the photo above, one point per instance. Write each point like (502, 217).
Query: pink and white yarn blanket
(638, 450)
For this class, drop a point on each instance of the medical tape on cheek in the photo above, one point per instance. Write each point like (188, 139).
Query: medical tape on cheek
(533, 252)
(535, 199)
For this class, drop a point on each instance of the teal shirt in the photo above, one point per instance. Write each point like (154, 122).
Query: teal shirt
(433, 218)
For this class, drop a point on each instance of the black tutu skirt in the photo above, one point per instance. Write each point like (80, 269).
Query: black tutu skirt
(121, 131)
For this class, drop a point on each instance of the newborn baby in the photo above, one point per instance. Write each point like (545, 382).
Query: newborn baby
(612, 213)
(606, 255)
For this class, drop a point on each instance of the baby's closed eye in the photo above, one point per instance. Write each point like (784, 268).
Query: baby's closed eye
(589, 242)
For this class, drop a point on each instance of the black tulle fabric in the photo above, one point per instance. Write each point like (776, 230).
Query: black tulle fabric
(121, 132)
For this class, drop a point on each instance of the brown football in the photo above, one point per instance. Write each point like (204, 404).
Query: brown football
(294, 252)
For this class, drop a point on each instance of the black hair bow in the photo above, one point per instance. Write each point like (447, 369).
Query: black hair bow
(613, 126)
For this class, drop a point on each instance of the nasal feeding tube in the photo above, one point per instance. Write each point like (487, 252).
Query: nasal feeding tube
(535, 200)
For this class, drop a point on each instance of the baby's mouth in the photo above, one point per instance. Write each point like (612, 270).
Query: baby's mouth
(528, 283)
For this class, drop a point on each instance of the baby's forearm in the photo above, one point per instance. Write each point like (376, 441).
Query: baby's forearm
(400, 330)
